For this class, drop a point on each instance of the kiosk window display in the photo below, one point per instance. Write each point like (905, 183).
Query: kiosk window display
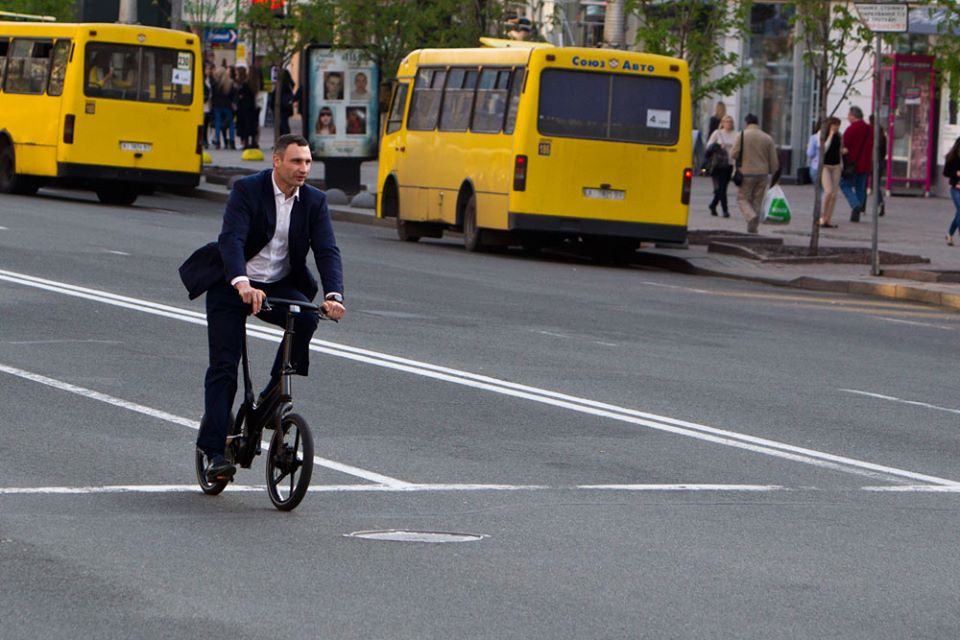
(907, 113)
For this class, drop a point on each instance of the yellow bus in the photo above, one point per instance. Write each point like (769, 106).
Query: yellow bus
(530, 143)
(114, 108)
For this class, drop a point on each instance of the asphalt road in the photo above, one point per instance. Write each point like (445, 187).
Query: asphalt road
(646, 454)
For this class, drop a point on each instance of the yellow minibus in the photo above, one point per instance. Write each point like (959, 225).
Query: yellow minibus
(529, 143)
(114, 108)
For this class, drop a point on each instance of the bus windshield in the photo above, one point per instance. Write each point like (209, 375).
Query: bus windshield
(609, 106)
(144, 74)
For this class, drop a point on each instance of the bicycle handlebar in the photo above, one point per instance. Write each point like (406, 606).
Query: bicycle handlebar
(269, 303)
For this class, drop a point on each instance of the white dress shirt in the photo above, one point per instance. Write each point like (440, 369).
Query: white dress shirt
(273, 261)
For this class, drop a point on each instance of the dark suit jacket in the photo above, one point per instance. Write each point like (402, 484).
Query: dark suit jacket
(248, 225)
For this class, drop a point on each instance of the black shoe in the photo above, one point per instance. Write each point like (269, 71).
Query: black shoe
(713, 211)
(883, 209)
(218, 469)
(726, 214)
(855, 214)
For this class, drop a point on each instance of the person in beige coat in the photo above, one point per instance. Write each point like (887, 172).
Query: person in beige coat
(757, 156)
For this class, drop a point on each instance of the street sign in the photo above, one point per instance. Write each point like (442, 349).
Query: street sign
(220, 36)
(884, 18)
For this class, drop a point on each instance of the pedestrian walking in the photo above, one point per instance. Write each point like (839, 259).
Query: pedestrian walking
(857, 162)
(719, 149)
(813, 154)
(881, 204)
(224, 94)
(832, 168)
(207, 104)
(756, 155)
(246, 108)
(286, 101)
(951, 171)
(719, 112)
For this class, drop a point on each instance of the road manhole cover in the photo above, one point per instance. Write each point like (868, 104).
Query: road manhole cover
(400, 535)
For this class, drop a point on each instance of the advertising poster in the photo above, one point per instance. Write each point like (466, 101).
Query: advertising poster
(342, 107)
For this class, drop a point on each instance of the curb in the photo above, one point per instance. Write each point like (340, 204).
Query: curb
(889, 290)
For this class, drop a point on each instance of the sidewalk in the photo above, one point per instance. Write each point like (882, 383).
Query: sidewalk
(911, 226)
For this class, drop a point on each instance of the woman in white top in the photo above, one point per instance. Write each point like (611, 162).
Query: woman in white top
(719, 146)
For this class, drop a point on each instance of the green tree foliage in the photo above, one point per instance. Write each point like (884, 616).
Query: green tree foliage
(62, 10)
(389, 29)
(946, 45)
(695, 30)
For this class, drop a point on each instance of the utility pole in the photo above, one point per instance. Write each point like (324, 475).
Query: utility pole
(128, 12)
(176, 15)
(614, 25)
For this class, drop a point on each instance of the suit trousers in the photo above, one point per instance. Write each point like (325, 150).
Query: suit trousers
(226, 325)
(750, 199)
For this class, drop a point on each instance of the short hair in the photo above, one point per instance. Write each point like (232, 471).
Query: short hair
(751, 119)
(287, 139)
(856, 112)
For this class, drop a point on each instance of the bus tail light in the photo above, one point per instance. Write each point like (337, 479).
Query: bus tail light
(687, 183)
(69, 122)
(520, 174)
(200, 140)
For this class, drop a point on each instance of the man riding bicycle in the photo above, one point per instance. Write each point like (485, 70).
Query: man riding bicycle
(272, 219)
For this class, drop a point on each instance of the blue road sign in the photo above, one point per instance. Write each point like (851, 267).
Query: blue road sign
(220, 36)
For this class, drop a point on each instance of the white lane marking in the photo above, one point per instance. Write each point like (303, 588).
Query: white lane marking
(943, 327)
(573, 403)
(553, 334)
(684, 487)
(65, 341)
(913, 488)
(380, 488)
(184, 422)
(3, 229)
(116, 253)
(915, 403)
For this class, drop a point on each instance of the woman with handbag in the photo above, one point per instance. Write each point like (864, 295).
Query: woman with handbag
(951, 171)
(719, 147)
(832, 168)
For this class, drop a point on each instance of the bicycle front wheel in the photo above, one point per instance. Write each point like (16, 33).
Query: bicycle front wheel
(289, 462)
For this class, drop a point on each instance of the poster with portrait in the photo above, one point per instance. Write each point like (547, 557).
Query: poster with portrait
(342, 109)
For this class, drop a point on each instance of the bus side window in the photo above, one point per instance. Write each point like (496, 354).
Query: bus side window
(4, 45)
(395, 120)
(491, 101)
(427, 94)
(514, 103)
(40, 66)
(58, 67)
(458, 100)
(20, 68)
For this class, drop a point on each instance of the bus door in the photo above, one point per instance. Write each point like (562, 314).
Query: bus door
(393, 146)
(421, 144)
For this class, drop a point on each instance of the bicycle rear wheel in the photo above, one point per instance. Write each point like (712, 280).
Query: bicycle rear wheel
(289, 462)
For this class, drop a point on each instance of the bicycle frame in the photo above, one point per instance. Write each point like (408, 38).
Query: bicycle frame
(252, 418)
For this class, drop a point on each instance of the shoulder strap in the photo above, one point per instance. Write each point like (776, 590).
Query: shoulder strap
(740, 155)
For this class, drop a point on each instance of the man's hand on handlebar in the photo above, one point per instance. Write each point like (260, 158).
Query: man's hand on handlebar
(251, 296)
(333, 309)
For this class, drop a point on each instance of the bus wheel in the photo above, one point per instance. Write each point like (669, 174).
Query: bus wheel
(406, 231)
(472, 240)
(10, 182)
(118, 195)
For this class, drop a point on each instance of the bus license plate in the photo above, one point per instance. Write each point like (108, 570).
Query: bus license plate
(604, 194)
(136, 146)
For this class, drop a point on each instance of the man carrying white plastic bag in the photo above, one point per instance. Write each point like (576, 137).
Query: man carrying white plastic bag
(776, 209)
